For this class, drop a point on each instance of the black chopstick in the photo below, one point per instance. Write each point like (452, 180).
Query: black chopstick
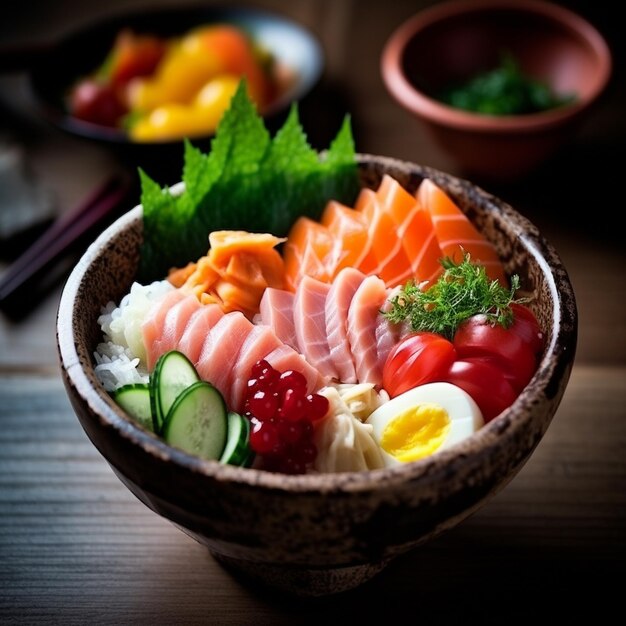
(61, 238)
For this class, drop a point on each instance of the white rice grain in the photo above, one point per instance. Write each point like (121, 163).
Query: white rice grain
(121, 356)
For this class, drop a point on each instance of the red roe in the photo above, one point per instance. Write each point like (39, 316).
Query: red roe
(281, 414)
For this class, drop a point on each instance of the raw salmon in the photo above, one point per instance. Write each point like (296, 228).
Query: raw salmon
(310, 250)
(350, 227)
(393, 264)
(456, 233)
(415, 229)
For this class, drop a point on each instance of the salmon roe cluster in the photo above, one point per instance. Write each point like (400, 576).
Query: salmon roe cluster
(281, 415)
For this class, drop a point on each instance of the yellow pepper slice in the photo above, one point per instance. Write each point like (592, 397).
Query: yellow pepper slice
(175, 121)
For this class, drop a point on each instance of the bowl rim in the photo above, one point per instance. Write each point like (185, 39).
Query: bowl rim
(556, 362)
(416, 101)
(215, 13)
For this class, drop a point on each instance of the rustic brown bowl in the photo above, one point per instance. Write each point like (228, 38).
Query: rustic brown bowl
(450, 42)
(325, 533)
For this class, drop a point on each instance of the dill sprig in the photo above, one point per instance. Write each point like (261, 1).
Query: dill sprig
(463, 290)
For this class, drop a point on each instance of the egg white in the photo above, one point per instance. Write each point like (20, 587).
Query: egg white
(464, 415)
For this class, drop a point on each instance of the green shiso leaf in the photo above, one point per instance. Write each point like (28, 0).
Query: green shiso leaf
(248, 181)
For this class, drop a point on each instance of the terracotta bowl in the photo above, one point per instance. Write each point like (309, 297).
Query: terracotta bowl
(325, 533)
(453, 41)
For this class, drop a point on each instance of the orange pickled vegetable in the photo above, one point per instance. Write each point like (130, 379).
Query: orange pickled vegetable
(236, 271)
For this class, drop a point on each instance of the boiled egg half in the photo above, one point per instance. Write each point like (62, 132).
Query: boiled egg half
(424, 420)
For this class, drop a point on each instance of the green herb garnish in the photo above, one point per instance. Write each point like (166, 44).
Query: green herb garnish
(248, 181)
(463, 290)
(504, 90)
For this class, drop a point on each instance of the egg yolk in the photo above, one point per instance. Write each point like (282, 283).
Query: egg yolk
(416, 432)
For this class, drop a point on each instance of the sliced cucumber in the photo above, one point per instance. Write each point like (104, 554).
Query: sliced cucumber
(172, 374)
(135, 400)
(196, 422)
(237, 447)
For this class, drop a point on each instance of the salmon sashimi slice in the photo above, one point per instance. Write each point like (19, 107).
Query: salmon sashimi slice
(415, 229)
(197, 329)
(152, 325)
(363, 319)
(393, 264)
(257, 345)
(174, 324)
(309, 317)
(338, 301)
(456, 233)
(286, 358)
(276, 311)
(220, 350)
(310, 250)
(351, 229)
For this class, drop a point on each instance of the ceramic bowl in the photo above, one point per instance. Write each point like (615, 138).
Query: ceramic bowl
(325, 533)
(453, 41)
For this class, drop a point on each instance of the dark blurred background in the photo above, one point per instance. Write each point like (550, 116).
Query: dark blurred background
(566, 510)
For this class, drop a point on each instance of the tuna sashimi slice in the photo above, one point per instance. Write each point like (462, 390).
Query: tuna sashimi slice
(456, 233)
(276, 311)
(338, 301)
(152, 326)
(415, 229)
(393, 264)
(220, 350)
(258, 344)
(174, 324)
(363, 319)
(286, 358)
(309, 316)
(197, 329)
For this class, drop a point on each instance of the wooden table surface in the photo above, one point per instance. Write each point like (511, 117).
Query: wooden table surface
(77, 547)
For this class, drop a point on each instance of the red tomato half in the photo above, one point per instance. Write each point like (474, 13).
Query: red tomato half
(96, 102)
(478, 337)
(485, 382)
(417, 359)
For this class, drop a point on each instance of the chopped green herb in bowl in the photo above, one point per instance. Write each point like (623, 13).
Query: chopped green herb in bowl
(504, 90)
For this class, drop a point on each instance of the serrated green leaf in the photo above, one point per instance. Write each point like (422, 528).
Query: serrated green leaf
(248, 181)
(341, 149)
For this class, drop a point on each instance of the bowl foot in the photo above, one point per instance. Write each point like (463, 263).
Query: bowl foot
(301, 581)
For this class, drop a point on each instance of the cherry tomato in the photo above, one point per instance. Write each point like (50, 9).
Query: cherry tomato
(135, 55)
(525, 325)
(95, 102)
(478, 337)
(485, 382)
(417, 359)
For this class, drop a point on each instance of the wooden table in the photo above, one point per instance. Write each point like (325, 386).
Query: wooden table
(77, 547)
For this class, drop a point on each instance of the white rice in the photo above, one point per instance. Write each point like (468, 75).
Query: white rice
(121, 357)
